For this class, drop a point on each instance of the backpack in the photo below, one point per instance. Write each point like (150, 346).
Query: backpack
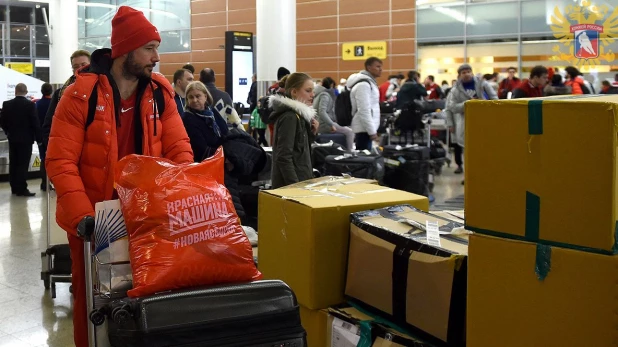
(343, 105)
(264, 110)
(92, 102)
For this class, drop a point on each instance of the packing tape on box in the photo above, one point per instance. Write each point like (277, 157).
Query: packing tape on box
(542, 264)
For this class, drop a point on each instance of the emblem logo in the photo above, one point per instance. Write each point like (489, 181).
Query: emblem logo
(587, 31)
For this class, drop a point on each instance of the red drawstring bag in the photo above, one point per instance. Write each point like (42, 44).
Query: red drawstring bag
(182, 225)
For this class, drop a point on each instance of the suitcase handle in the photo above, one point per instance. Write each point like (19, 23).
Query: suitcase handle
(85, 228)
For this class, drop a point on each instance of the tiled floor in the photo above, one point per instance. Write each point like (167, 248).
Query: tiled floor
(28, 314)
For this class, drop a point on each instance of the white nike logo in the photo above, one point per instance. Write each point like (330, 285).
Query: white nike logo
(123, 110)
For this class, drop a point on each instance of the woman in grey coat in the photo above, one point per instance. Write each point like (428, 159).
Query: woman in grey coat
(324, 104)
(468, 87)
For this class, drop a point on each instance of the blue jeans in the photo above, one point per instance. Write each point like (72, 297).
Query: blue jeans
(363, 141)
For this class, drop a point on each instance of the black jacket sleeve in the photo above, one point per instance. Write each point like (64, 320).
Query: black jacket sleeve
(47, 123)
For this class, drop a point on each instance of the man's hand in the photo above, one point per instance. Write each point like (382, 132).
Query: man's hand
(334, 129)
(452, 130)
(314, 126)
(374, 137)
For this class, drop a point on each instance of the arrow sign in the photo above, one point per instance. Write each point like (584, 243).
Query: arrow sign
(348, 51)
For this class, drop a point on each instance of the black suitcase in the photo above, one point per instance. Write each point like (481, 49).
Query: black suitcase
(408, 175)
(260, 314)
(61, 259)
(319, 152)
(396, 152)
(437, 150)
(359, 166)
(337, 138)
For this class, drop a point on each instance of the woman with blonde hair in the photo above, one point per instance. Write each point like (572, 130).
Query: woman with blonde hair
(295, 127)
(206, 129)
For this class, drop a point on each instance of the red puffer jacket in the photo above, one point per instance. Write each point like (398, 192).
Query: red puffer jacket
(81, 162)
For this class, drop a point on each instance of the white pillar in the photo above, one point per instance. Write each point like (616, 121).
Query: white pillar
(276, 39)
(63, 22)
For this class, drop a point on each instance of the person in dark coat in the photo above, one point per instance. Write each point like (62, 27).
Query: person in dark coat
(206, 129)
(221, 99)
(252, 98)
(22, 128)
(42, 105)
(411, 90)
(295, 128)
(557, 87)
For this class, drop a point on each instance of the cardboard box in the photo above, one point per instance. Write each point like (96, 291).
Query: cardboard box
(349, 327)
(544, 170)
(393, 268)
(304, 235)
(527, 294)
(329, 181)
(315, 324)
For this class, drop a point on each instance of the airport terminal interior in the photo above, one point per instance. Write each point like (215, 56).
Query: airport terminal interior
(512, 104)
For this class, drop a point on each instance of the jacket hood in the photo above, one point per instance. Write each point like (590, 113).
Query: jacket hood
(357, 77)
(319, 89)
(100, 61)
(281, 104)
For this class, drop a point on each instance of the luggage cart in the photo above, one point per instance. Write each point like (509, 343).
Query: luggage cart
(98, 294)
(56, 259)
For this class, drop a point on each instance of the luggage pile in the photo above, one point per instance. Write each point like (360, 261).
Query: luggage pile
(179, 270)
(343, 239)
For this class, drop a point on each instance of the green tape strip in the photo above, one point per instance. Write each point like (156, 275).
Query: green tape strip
(535, 117)
(543, 261)
(533, 216)
(365, 334)
(540, 241)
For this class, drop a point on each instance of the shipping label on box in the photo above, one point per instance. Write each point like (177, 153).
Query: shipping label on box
(544, 170)
(522, 293)
(394, 268)
(304, 235)
(349, 327)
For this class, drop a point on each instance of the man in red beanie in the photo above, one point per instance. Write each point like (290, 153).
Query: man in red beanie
(129, 119)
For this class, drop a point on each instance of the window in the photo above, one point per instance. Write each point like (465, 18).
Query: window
(20, 14)
(38, 14)
(20, 32)
(440, 61)
(42, 73)
(42, 50)
(40, 34)
(175, 41)
(20, 48)
(441, 22)
(492, 19)
(171, 15)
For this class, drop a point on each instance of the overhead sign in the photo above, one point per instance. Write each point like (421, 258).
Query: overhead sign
(363, 50)
(25, 68)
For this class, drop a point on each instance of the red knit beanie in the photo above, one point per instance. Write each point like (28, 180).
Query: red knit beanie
(130, 31)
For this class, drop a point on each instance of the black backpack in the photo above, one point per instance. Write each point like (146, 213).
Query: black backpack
(264, 110)
(343, 105)
(92, 103)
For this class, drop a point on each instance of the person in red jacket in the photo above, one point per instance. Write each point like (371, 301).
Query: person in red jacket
(533, 87)
(434, 92)
(508, 84)
(81, 160)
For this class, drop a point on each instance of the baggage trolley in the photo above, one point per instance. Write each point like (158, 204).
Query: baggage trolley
(98, 294)
(56, 259)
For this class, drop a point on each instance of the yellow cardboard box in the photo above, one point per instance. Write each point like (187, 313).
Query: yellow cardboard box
(544, 170)
(527, 294)
(304, 235)
(393, 267)
(329, 181)
(315, 323)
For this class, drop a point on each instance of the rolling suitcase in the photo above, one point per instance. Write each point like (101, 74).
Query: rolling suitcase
(359, 166)
(407, 168)
(319, 152)
(338, 138)
(261, 314)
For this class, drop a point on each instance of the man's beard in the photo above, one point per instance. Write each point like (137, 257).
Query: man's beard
(130, 68)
